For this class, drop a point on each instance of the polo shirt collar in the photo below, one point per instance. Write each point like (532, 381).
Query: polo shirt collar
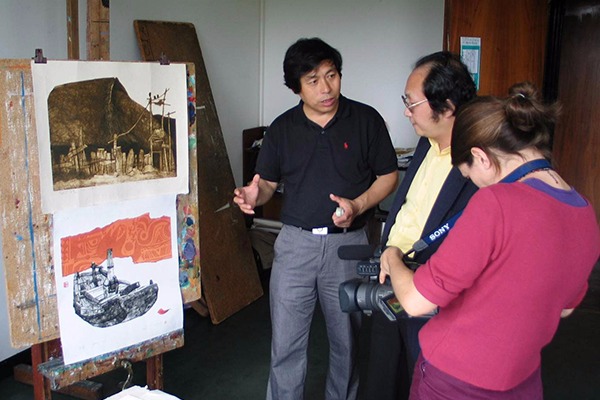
(343, 111)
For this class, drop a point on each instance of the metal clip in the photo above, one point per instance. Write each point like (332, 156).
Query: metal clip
(164, 60)
(129, 368)
(39, 57)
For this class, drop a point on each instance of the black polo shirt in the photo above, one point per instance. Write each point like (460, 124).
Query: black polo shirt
(342, 158)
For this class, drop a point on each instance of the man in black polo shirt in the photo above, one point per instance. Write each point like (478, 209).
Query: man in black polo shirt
(336, 161)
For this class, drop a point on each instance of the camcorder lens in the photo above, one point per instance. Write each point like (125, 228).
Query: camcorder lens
(358, 295)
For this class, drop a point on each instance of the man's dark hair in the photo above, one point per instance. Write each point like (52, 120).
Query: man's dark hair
(304, 56)
(447, 79)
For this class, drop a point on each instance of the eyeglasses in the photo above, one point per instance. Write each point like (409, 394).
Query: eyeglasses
(410, 105)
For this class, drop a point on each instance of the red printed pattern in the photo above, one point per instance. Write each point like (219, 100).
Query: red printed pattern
(142, 238)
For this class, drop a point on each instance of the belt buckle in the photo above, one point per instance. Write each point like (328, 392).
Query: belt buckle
(320, 231)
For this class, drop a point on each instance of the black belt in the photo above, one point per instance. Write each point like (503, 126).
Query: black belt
(330, 230)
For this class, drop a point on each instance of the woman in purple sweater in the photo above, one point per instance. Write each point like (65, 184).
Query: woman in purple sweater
(516, 261)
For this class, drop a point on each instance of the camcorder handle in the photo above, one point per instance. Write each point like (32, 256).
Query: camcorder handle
(367, 256)
(359, 251)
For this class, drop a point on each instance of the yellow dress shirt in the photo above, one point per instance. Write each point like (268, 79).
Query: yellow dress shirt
(422, 194)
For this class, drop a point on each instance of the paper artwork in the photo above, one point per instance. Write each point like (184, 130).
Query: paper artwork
(116, 270)
(110, 131)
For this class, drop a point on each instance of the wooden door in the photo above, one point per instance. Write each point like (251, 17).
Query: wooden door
(576, 146)
(513, 39)
(574, 80)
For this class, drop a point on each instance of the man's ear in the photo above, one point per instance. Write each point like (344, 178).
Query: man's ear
(449, 113)
(481, 157)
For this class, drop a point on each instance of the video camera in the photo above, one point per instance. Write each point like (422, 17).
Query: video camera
(367, 294)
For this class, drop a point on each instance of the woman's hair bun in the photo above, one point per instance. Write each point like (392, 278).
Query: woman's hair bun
(524, 90)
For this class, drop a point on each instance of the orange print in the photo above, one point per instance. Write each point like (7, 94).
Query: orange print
(144, 239)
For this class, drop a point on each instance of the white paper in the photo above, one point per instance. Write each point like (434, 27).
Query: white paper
(80, 338)
(141, 82)
(138, 393)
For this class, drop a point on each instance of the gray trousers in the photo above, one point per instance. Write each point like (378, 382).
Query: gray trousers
(306, 267)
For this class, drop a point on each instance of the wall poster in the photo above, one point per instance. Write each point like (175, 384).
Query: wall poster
(470, 53)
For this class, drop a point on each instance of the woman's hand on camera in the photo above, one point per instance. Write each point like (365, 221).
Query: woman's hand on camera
(390, 256)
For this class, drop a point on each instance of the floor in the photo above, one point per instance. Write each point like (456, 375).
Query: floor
(231, 360)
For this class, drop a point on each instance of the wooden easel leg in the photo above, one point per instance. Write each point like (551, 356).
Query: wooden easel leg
(200, 307)
(154, 372)
(41, 386)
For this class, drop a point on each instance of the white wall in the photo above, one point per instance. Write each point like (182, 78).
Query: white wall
(26, 25)
(229, 36)
(379, 41)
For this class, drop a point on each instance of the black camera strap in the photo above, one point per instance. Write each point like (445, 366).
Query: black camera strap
(520, 172)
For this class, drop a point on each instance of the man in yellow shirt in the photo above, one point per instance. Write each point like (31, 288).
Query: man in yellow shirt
(431, 192)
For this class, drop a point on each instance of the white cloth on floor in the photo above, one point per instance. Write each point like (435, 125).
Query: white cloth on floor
(142, 393)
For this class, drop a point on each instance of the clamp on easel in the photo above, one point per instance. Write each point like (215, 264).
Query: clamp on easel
(128, 366)
(39, 57)
(164, 60)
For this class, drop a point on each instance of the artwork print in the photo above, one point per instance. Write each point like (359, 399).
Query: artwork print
(116, 269)
(101, 299)
(110, 131)
(99, 135)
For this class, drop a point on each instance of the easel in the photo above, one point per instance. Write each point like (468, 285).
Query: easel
(49, 374)
(28, 256)
(56, 375)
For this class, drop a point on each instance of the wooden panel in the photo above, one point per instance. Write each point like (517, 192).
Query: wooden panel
(577, 136)
(73, 29)
(26, 239)
(98, 30)
(188, 239)
(229, 274)
(513, 39)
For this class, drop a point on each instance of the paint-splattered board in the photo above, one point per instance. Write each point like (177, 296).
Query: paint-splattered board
(230, 278)
(188, 239)
(26, 238)
(26, 231)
